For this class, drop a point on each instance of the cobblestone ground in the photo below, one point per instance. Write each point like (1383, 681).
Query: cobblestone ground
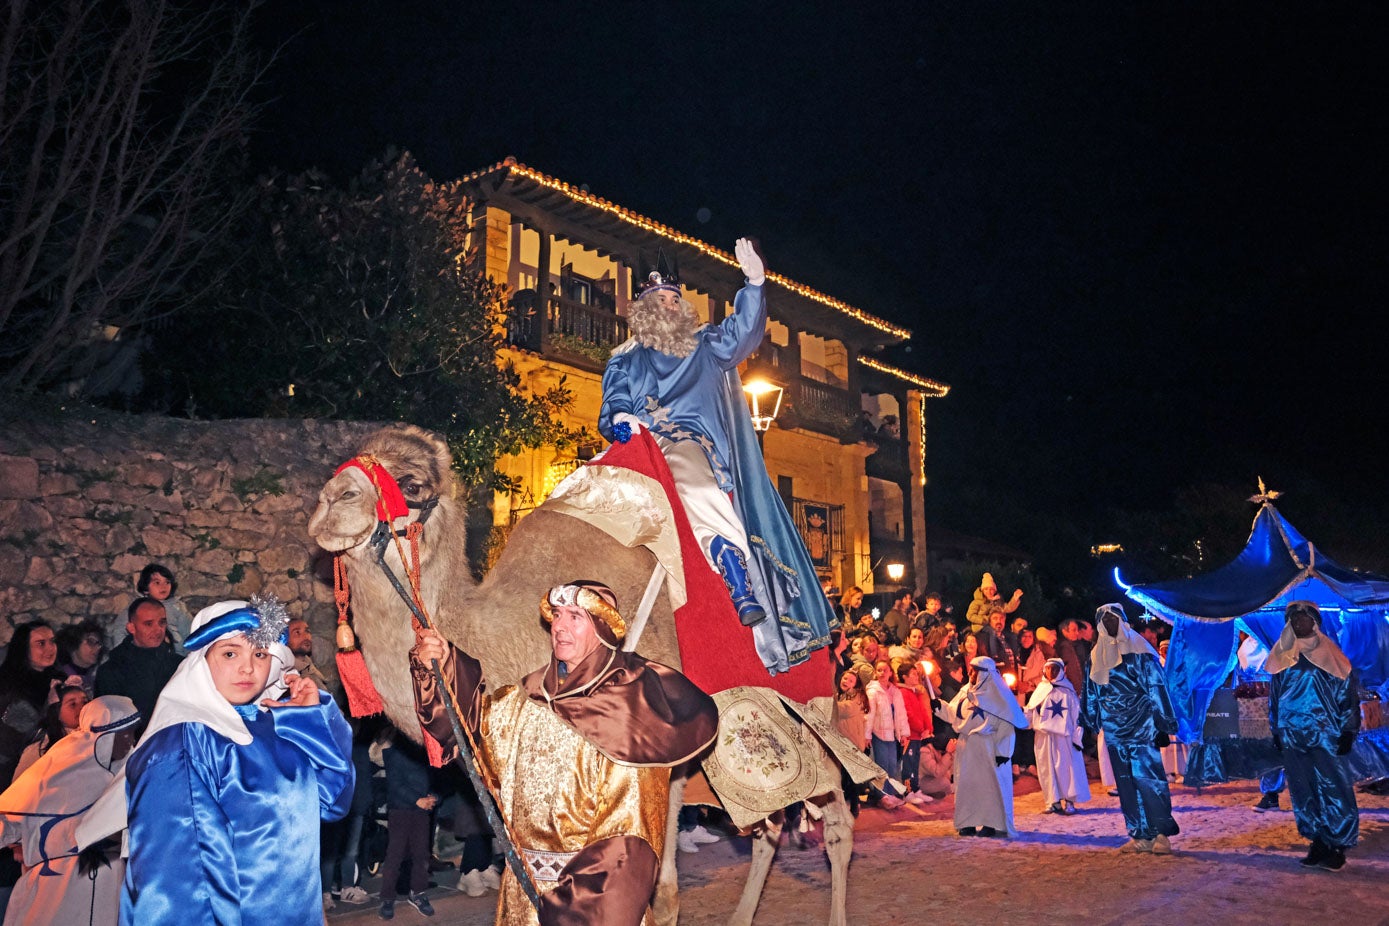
(1231, 866)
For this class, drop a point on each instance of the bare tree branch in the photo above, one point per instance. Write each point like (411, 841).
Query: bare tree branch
(109, 200)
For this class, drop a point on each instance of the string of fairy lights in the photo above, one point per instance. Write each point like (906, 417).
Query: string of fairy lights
(656, 228)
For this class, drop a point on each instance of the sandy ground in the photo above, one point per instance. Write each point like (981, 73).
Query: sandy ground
(1231, 866)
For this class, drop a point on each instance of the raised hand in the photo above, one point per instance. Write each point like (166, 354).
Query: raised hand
(303, 692)
(748, 260)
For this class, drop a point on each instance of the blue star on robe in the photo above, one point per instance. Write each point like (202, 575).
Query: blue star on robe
(1056, 708)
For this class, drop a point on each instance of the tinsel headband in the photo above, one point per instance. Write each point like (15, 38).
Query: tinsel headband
(588, 597)
(264, 622)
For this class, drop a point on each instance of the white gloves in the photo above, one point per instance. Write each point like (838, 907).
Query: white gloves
(630, 419)
(752, 264)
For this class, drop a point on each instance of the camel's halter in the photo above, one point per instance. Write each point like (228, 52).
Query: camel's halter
(383, 536)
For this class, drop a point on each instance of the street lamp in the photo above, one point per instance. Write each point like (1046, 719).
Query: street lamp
(895, 571)
(765, 399)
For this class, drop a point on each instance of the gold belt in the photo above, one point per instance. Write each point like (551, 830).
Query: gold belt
(545, 865)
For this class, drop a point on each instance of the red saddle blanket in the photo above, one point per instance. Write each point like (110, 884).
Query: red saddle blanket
(716, 651)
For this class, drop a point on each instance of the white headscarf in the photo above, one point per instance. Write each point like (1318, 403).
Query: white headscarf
(989, 694)
(1320, 650)
(1110, 651)
(1044, 687)
(191, 696)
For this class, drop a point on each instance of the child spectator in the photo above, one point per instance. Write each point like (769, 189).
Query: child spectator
(59, 719)
(409, 803)
(917, 702)
(158, 582)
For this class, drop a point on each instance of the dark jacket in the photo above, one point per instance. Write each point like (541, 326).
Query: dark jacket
(407, 774)
(138, 673)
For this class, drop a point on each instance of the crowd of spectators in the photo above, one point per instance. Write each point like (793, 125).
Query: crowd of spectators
(917, 655)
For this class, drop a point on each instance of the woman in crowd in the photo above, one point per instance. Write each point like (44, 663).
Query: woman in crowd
(971, 648)
(229, 783)
(1029, 663)
(80, 648)
(888, 730)
(27, 679)
(849, 608)
(158, 582)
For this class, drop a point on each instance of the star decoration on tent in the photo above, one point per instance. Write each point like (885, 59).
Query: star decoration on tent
(1265, 495)
(1057, 708)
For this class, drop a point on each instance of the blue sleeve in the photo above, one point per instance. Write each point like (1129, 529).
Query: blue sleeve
(735, 338)
(181, 858)
(324, 738)
(1164, 717)
(617, 395)
(1347, 703)
(1090, 706)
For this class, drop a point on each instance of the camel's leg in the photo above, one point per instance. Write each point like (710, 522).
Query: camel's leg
(765, 840)
(839, 846)
(665, 907)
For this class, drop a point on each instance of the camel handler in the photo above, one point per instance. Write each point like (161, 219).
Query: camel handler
(580, 756)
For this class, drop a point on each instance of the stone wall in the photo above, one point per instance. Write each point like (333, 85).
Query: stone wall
(88, 498)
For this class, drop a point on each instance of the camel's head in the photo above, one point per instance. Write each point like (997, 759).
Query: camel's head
(418, 460)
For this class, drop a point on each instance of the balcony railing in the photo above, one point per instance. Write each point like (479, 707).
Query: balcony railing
(576, 333)
(889, 461)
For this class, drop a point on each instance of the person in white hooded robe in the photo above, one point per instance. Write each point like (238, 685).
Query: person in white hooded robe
(986, 715)
(1054, 712)
(43, 808)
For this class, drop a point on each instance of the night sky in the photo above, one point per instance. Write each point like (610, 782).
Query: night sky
(1145, 246)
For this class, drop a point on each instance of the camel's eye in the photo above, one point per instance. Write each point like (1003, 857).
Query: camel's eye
(349, 495)
(409, 487)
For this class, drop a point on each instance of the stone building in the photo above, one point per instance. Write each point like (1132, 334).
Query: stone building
(854, 488)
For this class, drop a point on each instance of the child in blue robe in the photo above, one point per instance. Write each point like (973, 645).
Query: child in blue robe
(227, 787)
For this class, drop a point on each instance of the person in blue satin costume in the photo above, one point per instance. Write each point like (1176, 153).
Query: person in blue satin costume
(227, 788)
(1126, 697)
(1314, 714)
(679, 380)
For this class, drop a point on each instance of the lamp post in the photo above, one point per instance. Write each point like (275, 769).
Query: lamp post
(764, 401)
(895, 571)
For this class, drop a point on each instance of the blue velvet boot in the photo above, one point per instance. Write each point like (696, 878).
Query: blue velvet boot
(735, 575)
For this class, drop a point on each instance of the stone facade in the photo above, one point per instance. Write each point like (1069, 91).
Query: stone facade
(87, 499)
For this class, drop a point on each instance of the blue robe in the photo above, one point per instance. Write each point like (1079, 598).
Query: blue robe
(1309, 709)
(1131, 710)
(228, 834)
(700, 398)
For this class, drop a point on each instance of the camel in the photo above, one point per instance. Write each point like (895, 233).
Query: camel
(497, 621)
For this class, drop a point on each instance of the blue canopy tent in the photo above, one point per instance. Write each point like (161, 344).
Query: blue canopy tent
(1277, 565)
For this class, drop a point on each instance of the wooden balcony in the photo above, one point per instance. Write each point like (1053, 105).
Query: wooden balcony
(567, 331)
(889, 461)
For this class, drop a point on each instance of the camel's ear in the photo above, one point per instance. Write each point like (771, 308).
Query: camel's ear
(427, 452)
